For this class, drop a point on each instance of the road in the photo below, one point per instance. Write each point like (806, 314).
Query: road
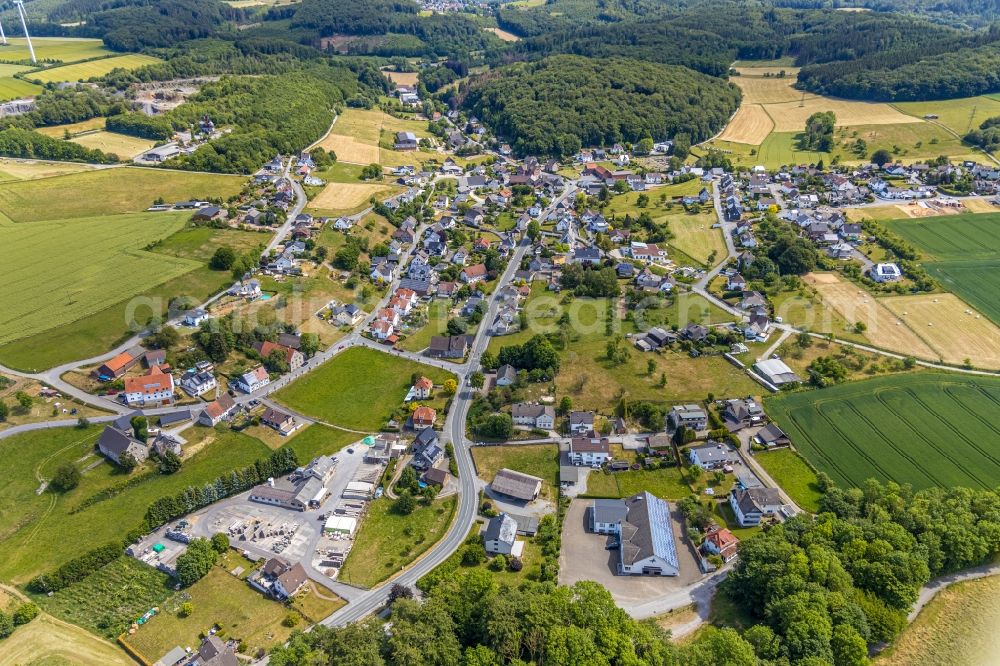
(454, 429)
(300, 203)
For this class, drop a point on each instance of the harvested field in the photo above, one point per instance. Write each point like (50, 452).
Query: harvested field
(503, 34)
(31, 169)
(750, 125)
(62, 49)
(791, 72)
(770, 90)
(953, 329)
(979, 206)
(124, 146)
(885, 329)
(51, 642)
(401, 78)
(792, 116)
(351, 150)
(59, 131)
(925, 428)
(347, 196)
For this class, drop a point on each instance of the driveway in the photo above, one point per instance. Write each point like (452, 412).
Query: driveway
(583, 557)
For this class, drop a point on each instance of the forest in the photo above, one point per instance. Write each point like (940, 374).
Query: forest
(558, 104)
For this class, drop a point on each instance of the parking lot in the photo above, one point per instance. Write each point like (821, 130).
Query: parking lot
(261, 530)
(583, 557)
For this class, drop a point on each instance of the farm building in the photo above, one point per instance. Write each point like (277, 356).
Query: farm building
(516, 485)
(646, 536)
(340, 525)
(776, 372)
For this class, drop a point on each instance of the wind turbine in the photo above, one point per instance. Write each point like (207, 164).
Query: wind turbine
(24, 24)
(3, 37)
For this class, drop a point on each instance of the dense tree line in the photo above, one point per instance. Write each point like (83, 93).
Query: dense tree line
(818, 134)
(17, 142)
(157, 128)
(401, 29)
(561, 103)
(535, 354)
(987, 136)
(827, 588)
(132, 25)
(590, 281)
(76, 569)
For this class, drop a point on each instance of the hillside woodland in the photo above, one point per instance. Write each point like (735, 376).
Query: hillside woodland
(561, 103)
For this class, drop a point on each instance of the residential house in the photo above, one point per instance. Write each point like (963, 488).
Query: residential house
(279, 578)
(195, 317)
(688, 416)
(278, 420)
(423, 417)
(886, 273)
(120, 364)
(473, 274)
(751, 504)
(735, 282)
(742, 413)
(382, 330)
(217, 410)
(647, 279)
(581, 422)
(251, 381)
(713, 455)
(500, 536)
(770, 436)
(405, 141)
(292, 357)
(153, 389)
(426, 449)
(536, 416)
(589, 451)
(649, 253)
(198, 383)
(115, 443)
(506, 375)
(454, 346)
(422, 388)
(694, 332)
(606, 515)
(721, 542)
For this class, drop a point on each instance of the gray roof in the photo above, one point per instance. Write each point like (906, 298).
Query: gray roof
(581, 418)
(175, 417)
(529, 410)
(715, 452)
(771, 433)
(516, 484)
(114, 441)
(501, 528)
(756, 499)
(507, 372)
(175, 656)
(609, 510)
(646, 530)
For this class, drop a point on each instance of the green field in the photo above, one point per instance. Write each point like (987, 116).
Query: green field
(962, 252)
(124, 146)
(320, 440)
(39, 532)
(387, 541)
(360, 388)
(83, 71)
(926, 429)
(665, 483)
(108, 191)
(11, 88)
(437, 324)
(794, 476)
(58, 271)
(63, 49)
(959, 115)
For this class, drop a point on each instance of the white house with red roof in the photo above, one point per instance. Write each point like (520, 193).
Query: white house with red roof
(649, 253)
(155, 388)
(253, 380)
(473, 274)
(422, 388)
(382, 330)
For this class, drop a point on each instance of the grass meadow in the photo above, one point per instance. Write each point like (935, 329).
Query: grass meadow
(541, 460)
(794, 476)
(63, 49)
(927, 429)
(387, 541)
(124, 146)
(360, 388)
(38, 532)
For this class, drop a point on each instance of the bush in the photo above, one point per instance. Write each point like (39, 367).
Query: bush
(76, 569)
(6, 625)
(220, 542)
(195, 562)
(187, 608)
(498, 563)
(291, 619)
(473, 554)
(25, 613)
(67, 477)
(515, 564)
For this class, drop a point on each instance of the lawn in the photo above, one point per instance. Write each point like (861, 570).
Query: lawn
(541, 460)
(320, 440)
(84, 71)
(692, 234)
(220, 597)
(124, 146)
(359, 389)
(959, 626)
(11, 169)
(41, 531)
(794, 476)
(926, 429)
(108, 191)
(667, 483)
(437, 324)
(111, 598)
(962, 252)
(387, 541)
